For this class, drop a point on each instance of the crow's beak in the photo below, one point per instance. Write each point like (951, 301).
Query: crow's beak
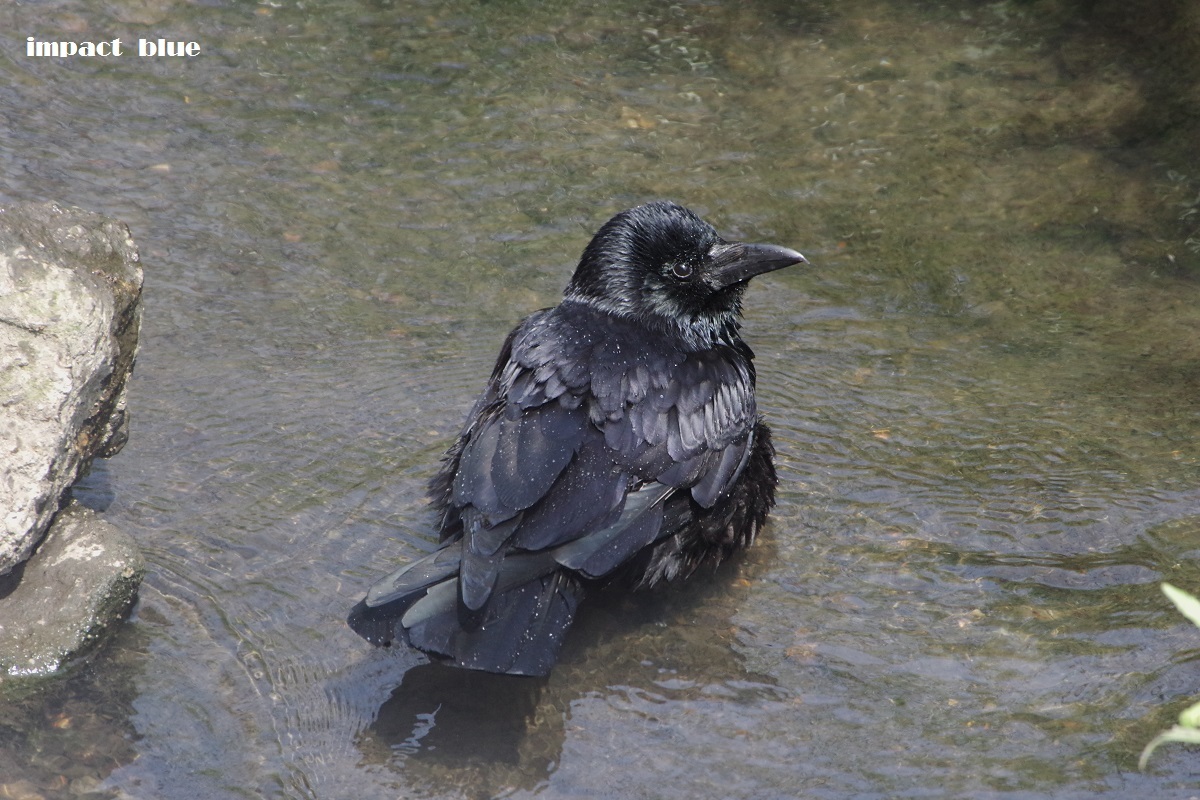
(735, 262)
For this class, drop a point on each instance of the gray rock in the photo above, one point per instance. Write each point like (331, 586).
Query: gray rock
(83, 578)
(70, 309)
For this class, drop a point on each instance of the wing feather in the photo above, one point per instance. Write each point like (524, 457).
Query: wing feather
(584, 431)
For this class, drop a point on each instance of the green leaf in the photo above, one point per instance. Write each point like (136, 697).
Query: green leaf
(1190, 716)
(1176, 734)
(1188, 606)
(1188, 729)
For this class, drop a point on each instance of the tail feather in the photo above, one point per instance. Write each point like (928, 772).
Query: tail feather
(413, 578)
(518, 632)
(521, 631)
(509, 612)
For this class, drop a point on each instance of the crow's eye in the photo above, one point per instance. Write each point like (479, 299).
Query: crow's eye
(681, 270)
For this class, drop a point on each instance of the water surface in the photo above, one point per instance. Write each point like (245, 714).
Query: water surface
(983, 390)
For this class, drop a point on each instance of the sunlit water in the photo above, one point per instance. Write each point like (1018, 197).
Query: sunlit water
(983, 392)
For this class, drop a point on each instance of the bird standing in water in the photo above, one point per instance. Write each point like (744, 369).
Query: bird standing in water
(617, 437)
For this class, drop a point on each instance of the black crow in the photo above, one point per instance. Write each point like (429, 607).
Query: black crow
(617, 437)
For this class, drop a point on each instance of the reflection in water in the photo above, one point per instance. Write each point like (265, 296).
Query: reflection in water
(449, 730)
(441, 722)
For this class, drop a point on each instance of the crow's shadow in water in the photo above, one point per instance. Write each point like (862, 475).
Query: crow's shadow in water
(453, 730)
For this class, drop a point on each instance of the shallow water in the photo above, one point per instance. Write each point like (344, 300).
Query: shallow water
(983, 390)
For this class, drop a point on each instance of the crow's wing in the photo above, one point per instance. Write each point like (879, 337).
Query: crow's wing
(685, 420)
(586, 429)
(585, 413)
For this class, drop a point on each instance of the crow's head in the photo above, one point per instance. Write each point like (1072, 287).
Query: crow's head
(664, 265)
